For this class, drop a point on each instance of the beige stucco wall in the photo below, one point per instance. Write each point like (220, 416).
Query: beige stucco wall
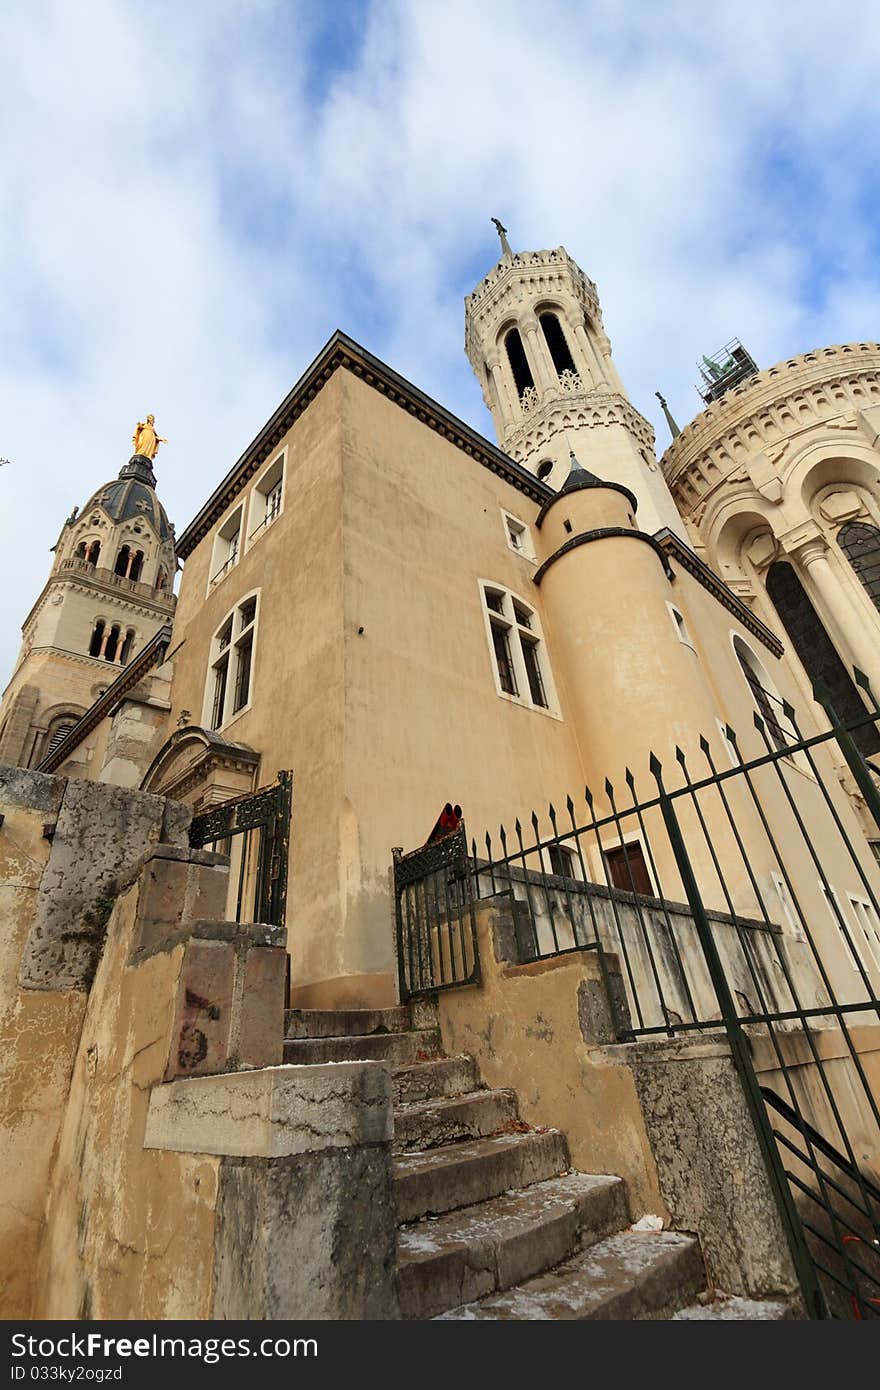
(38, 1040)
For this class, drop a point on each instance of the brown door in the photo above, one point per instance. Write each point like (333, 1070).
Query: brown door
(627, 869)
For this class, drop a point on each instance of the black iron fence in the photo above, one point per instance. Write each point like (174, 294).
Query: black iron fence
(254, 830)
(741, 893)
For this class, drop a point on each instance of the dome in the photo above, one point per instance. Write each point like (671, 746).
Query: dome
(132, 495)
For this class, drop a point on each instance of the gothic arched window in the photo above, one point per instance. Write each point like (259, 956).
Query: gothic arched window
(134, 569)
(860, 544)
(519, 363)
(816, 651)
(557, 343)
(122, 561)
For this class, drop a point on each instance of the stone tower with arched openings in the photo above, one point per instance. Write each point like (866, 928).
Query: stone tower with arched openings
(535, 338)
(110, 589)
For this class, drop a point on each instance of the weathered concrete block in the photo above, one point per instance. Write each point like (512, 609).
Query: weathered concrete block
(32, 791)
(711, 1173)
(307, 1237)
(260, 1041)
(173, 892)
(102, 836)
(203, 1016)
(273, 1112)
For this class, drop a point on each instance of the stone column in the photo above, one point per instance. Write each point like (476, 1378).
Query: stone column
(508, 400)
(543, 369)
(594, 362)
(859, 649)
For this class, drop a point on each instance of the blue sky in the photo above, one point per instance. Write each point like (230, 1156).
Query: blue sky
(195, 195)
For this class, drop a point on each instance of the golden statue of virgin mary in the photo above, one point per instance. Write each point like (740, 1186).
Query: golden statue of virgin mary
(145, 439)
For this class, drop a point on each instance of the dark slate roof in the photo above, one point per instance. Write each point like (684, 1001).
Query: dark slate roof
(132, 495)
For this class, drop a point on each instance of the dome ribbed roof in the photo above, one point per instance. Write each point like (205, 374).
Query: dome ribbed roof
(132, 495)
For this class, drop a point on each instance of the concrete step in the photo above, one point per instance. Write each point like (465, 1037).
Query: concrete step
(447, 1076)
(464, 1255)
(625, 1276)
(459, 1175)
(729, 1308)
(396, 1048)
(429, 1123)
(345, 1023)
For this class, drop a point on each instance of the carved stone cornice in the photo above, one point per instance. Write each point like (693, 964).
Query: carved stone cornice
(828, 386)
(576, 410)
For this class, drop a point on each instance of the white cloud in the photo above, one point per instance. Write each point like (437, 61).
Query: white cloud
(195, 195)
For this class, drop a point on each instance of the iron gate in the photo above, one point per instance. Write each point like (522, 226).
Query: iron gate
(254, 830)
(434, 908)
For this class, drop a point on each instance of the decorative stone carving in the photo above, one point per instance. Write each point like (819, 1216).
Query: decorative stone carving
(840, 506)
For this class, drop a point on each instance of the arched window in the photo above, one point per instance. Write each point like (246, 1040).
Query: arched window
(817, 653)
(137, 561)
(545, 468)
(97, 638)
(81, 551)
(161, 578)
(122, 560)
(127, 646)
(557, 343)
(519, 365)
(94, 551)
(57, 731)
(860, 544)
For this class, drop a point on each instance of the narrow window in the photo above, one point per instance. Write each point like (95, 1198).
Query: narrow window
(533, 673)
(136, 566)
(558, 344)
(244, 652)
(515, 635)
(519, 365)
(562, 861)
(681, 628)
(767, 702)
(97, 638)
(231, 672)
(266, 499)
(127, 646)
(627, 869)
(221, 672)
(501, 644)
(226, 545)
(121, 566)
(93, 552)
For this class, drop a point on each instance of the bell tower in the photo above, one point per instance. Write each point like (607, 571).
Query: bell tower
(110, 589)
(535, 338)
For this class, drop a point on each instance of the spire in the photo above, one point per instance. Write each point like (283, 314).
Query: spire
(502, 233)
(673, 427)
(578, 476)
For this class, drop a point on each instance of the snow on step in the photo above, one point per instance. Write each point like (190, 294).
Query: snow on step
(625, 1276)
(452, 1259)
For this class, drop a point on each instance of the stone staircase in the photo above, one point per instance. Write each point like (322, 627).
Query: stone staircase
(493, 1221)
